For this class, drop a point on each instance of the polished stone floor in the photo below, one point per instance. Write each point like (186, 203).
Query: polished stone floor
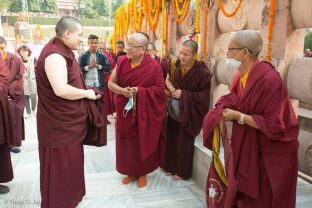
(104, 189)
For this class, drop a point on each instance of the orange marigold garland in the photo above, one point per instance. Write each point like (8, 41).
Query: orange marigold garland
(163, 24)
(178, 12)
(126, 18)
(197, 30)
(166, 33)
(153, 22)
(270, 30)
(137, 17)
(206, 10)
(221, 5)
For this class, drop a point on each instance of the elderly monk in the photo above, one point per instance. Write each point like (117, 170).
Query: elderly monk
(265, 128)
(16, 93)
(108, 95)
(140, 97)
(62, 117)
(6, 130)
(191, 86)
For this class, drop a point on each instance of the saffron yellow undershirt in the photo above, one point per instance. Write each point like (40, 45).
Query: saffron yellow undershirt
(4, 56)
(183, 70)
(244, 79)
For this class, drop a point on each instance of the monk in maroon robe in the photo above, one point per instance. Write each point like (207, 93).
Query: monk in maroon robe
(6, 123)
(108, 95)
(16, 94)
(191, 86)
(265, 129)
(140, 97)
(62, 117)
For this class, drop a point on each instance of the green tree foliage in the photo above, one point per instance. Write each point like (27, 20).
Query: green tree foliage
(117, 4)
(101, 6)
(48, 6)
(308, 41)
(94, 8)
(34, 5)
(5, 4)
(16, 6)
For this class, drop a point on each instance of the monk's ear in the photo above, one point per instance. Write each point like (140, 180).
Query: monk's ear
(67, 34)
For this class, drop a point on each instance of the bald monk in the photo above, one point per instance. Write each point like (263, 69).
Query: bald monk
(265, 128)
(108, 95)
(16, 93)
(62, 117)
(6, 130)
(140, 97)
(191, 86)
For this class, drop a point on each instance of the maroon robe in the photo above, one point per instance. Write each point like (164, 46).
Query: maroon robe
(62, 126)
(164, 65)
(119, 54)
(108, 94)
(219, 194)
(137, 134)
(194, 104)
(16, 92)
(258, 154)
(7, 128)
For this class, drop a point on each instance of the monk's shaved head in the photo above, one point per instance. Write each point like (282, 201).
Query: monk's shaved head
(191, 44)
(66, 23)
(140, 38)
(249, 39)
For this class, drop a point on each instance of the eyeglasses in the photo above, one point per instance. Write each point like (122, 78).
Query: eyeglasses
(132, 47)
(230, 49)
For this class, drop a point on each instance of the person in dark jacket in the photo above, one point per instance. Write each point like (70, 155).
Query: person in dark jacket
(93, 63)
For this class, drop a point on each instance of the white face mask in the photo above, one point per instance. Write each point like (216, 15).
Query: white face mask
(232, 63)
(128, 107)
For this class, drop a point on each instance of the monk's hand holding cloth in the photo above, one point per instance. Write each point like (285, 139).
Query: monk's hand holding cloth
(127, 92)
(90, 94)
(229, 114)
(134, 90)
(177, 94)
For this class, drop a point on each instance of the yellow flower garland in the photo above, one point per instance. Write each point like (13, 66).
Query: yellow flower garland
(166, 33)
(180, 11)
(126, 18)
(177, 12)
(137, 17)
(206, 10)
(197, 30)
(221, 5)
(153, 22)
(163, 22)
(270, 30)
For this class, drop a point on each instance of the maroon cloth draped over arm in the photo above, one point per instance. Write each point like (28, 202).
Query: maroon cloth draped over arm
(211, 120)
(195, 97)
(150, 103)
